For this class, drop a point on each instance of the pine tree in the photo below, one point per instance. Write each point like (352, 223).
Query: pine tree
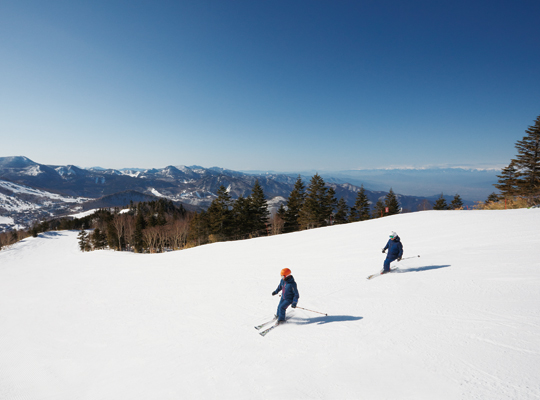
(316, 209)
(140, 225)
(361, 206)
(259, 208)
(98, 239)
(295, 202)
(83, 240)
(492, 198)
(528, 161)
(331, 202)
(456, 203)
(241, 215)
(112, 236)
(392, 204)
(199, 228)
(440, 204)
(220, 215)
(508, 181)
(341, 216)
(379, 209)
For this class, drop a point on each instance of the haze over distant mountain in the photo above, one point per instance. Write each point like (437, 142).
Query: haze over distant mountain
(474, 184)
(44, 191)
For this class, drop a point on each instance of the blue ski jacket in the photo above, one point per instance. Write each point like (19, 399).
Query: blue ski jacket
(395, 248)
(290, 290)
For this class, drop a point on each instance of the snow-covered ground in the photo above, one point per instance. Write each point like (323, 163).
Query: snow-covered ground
(460, 322)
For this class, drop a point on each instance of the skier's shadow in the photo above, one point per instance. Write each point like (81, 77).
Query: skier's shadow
(325, 320)
(420, 269)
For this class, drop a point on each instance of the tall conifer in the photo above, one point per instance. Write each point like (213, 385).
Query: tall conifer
(456, 203)
(508, 181)
(361, 205)
(295, 202)
(316, 209)
(342, 212)
(528, 161)
(259, 208)
(440, 204)
(391, 203)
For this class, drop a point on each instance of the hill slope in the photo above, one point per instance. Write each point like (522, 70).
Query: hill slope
(461, 321)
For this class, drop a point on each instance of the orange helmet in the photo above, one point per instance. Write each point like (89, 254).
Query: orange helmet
(285, 272)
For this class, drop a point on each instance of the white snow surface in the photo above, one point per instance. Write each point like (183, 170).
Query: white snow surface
(460, 322)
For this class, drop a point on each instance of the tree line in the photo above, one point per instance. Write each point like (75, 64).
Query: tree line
(520, 180)
(157, 226)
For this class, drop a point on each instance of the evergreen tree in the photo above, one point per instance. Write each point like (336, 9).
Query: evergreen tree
(98, 239)
(440, 204)
(259, 208)
(508, 181)
(331, 202)
(241, 215)
(379, 209)
(295, 202)
(112, 236)
(392, 204)
(456, 203)
(341, 216)
(315, 210)
(199, 228)
(353, 214)
(140, 225)
(361, 205)
(492, 198)
(528, 161)
(84, 245)
(220, 215)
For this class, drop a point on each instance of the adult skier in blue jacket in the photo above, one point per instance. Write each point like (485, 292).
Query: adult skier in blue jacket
(395, 251)
(289, 293)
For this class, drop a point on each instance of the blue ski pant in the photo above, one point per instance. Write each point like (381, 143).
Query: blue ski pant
(387, 263)
(282, 307)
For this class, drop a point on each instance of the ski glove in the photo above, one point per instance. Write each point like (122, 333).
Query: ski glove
(384, 251)
(399, 259)
(293, 305)
(274, 293)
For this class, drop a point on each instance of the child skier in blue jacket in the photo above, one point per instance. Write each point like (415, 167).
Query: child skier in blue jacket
(395, 251)
(289, 293)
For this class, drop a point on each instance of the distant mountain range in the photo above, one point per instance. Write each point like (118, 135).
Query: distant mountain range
(30, 191)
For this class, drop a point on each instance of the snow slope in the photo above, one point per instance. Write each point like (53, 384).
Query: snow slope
(460, 322)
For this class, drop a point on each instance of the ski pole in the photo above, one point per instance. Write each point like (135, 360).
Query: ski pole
(406, 258)
(311, 310)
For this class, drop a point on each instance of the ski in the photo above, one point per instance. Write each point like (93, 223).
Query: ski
(265, 323)
(263, 333)
(381, 273)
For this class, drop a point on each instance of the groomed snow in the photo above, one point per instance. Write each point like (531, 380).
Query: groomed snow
(460, 322)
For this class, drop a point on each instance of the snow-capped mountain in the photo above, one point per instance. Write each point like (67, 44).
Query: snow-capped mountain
(194, 186)
(21, 205)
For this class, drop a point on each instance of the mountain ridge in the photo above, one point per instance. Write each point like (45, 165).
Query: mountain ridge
(195, 187)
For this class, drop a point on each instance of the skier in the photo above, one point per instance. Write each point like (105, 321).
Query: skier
(289, 294)
(395, 251)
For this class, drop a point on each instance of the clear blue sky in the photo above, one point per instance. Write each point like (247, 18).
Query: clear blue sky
(276, 85)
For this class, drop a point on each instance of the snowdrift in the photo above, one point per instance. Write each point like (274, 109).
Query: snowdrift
(462, 321)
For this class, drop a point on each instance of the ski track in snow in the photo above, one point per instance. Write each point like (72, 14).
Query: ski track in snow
(460, 322)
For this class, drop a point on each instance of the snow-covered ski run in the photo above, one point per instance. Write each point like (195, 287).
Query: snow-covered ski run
(461, 322)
